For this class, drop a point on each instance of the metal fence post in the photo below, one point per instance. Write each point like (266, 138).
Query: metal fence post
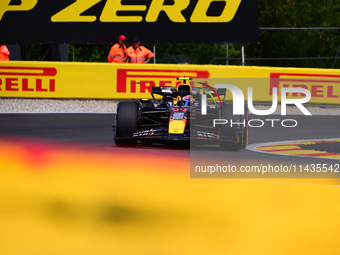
(227, 53)
(336, 56)
(154, 52)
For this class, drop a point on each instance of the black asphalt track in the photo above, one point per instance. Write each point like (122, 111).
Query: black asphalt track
(95, 129)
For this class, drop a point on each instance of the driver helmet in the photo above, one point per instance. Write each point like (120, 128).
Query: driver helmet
(186, 100)
(169, 100)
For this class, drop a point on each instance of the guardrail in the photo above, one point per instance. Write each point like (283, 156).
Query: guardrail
(21, 79)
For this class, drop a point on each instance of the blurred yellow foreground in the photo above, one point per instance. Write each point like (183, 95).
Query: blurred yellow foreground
(57, 199)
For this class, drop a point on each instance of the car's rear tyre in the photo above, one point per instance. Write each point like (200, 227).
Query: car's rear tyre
(126, 123)
(236, 133)
(246, 127)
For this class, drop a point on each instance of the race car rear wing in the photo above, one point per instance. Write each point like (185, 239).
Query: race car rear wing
(220, 91)
(162, 90)
(165, 91)
(172, 91)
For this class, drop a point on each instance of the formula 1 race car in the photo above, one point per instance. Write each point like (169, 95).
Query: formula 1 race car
(177, 117)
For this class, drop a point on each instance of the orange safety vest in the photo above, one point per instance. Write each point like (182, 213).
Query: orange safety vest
(4, 53)
(117, 54)
(138, 56)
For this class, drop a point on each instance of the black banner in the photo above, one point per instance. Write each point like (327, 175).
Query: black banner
(153, 21)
